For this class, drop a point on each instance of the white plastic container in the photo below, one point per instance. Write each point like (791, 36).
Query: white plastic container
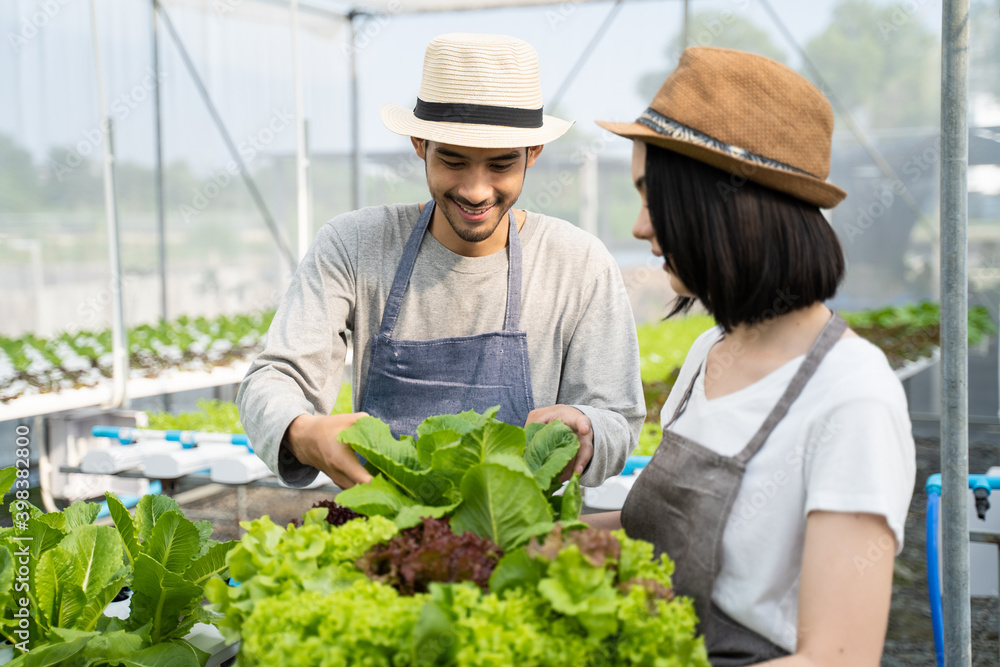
(171, 465)
(241, 469)
(117, 458)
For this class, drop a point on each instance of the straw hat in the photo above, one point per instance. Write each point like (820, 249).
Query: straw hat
(747, 115)
(482, 91)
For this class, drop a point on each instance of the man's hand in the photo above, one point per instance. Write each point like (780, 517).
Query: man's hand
(314, 441)
(579, 423)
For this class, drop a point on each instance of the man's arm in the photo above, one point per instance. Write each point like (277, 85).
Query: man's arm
(300, 370)
(600, 379)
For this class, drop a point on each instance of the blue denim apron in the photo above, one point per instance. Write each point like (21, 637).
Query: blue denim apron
(410, 380)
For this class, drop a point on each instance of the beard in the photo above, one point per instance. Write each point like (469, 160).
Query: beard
(480, 232)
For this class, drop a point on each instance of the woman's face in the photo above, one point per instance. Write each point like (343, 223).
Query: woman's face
(643, 228)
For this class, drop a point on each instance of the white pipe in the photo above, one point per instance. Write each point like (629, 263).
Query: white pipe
(301, 157)
(119, 348)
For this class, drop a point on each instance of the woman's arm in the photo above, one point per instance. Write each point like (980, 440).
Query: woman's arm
(603, 520)
(845, 590)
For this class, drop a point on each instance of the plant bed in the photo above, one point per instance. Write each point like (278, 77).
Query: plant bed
(460, 552)
(33, 365)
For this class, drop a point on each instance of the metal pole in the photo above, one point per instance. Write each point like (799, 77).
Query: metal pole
(687, 17)
(589, 187)
(301, 158)
(308, 175)
(357, 180)
(119, 348)
(954, 331)
(161, 230)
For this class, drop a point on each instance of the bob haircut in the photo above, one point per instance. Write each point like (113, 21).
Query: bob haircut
(746, 251)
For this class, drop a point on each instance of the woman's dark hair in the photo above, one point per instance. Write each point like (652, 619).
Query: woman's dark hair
(746, 251)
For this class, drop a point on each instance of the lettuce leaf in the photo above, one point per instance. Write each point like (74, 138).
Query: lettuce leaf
(493, 438)
(499, 501)
(7, 477)
(397, 460)
(462, 423)
(380, 497)
(549, 450)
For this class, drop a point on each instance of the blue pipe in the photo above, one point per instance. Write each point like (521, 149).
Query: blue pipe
(933, 568)
(980, 485)
(635, 463)
(127, 435)
(130, 501)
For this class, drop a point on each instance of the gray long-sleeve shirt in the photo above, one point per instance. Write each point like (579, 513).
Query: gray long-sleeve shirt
(582, 344)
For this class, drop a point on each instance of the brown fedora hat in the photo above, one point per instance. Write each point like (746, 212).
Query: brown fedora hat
(745, 114)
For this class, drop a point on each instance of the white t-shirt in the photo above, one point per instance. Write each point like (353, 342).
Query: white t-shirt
(845, 445)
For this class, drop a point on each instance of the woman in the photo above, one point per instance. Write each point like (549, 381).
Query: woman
(786, 468)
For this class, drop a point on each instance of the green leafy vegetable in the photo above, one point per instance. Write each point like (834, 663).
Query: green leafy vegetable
(496, 478)
(501, 502)
(574, 599)
(82, 359)
(7, 477)
(549, 450)
(397, 460)
(79, 568)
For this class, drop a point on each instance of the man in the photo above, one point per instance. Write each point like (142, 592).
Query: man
(448, 321)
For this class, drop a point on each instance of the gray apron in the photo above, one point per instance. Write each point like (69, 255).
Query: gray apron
(410, 380)
(682, 502)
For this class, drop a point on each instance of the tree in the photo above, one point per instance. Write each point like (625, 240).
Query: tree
(882, 62)
(723, 29)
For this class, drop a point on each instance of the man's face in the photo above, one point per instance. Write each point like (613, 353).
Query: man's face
(474, 187)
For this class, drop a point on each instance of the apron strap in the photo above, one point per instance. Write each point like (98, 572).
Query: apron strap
(685, 398)
(512, 320)
(394, 303)
(831, 333)
(404, 270)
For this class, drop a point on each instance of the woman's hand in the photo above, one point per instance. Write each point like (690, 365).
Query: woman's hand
(314, 440)
(579, 423)
(603, 520)
(844, 592)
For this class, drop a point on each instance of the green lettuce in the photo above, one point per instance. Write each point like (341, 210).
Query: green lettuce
(579, 597)
(492, 478)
